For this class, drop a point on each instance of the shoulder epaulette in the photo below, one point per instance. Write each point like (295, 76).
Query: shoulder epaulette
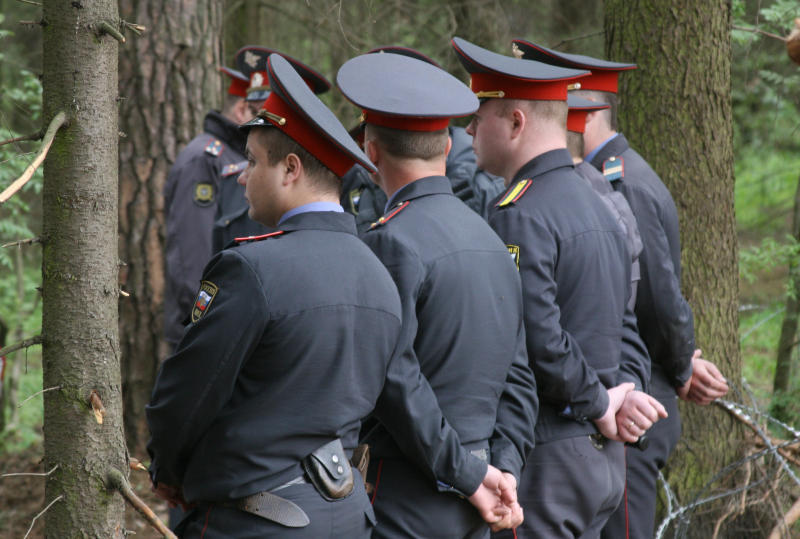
(258, 238)
(233, 168)
(515, 193)
(614, 168)
(214, 147)
(383, 220)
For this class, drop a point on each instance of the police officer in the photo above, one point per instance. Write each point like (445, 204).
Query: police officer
(664, 316)
(475, 187)
(231, 218)
(255, 416)
(579, 109)
(575, 269)
(190, 201)
(460, 293)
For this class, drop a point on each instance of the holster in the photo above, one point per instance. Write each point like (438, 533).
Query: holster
(329, 471)
(360, 460)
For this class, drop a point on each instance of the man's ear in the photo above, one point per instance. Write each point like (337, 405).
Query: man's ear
(372, 150)
(519, 120)
(292, 168)
(241, 113)
(449, 145)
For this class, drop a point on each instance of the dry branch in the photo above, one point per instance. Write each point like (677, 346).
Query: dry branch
(116, 480)
(22, 242)
(789, 518)
(758, 31)
(40, 514)
(33, 136)
(38, 393)
(20, 345)
(34, 474)
(57, 121)
(105, 28)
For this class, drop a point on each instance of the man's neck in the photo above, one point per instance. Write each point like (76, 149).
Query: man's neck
(397, 173)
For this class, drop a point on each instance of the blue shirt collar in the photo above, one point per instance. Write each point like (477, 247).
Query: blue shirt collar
(594, 152)
(312, 206)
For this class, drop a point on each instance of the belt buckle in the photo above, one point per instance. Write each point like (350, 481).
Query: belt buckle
(598, 440)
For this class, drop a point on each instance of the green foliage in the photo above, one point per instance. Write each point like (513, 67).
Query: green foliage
(770, 254)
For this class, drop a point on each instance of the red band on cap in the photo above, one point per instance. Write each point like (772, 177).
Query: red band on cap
(576, 120)
(603, 81)
(238, 87)
(514, 88)
(307, 136)
(406, 123)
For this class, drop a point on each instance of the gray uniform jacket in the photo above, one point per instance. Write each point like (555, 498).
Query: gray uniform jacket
(462, 309)
(476, 188)
(190, 201)
(616, 202)
(665, 319)
(292, 341)
(573, 262)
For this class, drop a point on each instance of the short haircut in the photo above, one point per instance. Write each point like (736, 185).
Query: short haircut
(555, 111)
(575, 144)
(229, 103)
(425, 145)
(609, 98)
(279, 145)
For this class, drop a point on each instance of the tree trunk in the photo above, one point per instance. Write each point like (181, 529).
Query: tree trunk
(168, 81)
(676, 111)
(80, 271)
(781, 401)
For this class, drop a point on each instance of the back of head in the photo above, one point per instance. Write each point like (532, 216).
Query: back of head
(404, 144)
(610, 98)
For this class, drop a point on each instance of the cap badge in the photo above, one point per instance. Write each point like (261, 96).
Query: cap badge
(251, 59)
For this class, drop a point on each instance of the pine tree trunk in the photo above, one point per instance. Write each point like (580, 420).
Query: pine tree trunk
(80, 271)
(168, 81)
(676, 111)
(781, 404)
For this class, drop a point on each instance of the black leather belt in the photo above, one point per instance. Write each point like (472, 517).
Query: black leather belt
(272, 507)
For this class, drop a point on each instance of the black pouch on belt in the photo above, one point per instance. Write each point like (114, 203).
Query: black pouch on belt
(329, 471)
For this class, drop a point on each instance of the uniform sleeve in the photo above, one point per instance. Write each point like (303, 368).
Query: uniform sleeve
(563, 376)
(196, 382)
(634, 359)
(672, 312)
(513, 436)
(407, 406)
(189, 227)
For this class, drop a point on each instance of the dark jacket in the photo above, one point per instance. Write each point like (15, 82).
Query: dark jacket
(289, 349)
(462, 309)
(574, 265)
(665, 319)
(190, 201)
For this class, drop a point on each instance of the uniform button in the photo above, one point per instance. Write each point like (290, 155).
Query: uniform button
(340, 469)
(335, 459)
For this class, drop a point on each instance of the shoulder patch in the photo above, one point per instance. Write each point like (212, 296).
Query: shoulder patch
(202, 303)
(614, 168)
(513, 250)
(233, 168)
(246, 239)
(355, 197)
(214, 147)
(203, 194)
(385, 219)
(515, 193)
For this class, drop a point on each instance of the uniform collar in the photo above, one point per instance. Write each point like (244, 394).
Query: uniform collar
(600, 147)
(320, 220)
(311, 206)
(612, 148)
(227, 131)
(544, 163)
(430, 185)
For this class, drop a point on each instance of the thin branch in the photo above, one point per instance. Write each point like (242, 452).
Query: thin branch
(60, 496)
(33, 341)
(22, 242)
(38, 393)
(787, 521)
(57, 121)
(33, 136)
(133, 27)
(116, 480)
(105, 28)
(759, 31)
(34, 474)
(585, 36)
(31, 2)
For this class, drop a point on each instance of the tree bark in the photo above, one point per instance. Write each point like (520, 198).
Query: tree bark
(676, 111)
(781, 407)
(168, 81)
(80, 271)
